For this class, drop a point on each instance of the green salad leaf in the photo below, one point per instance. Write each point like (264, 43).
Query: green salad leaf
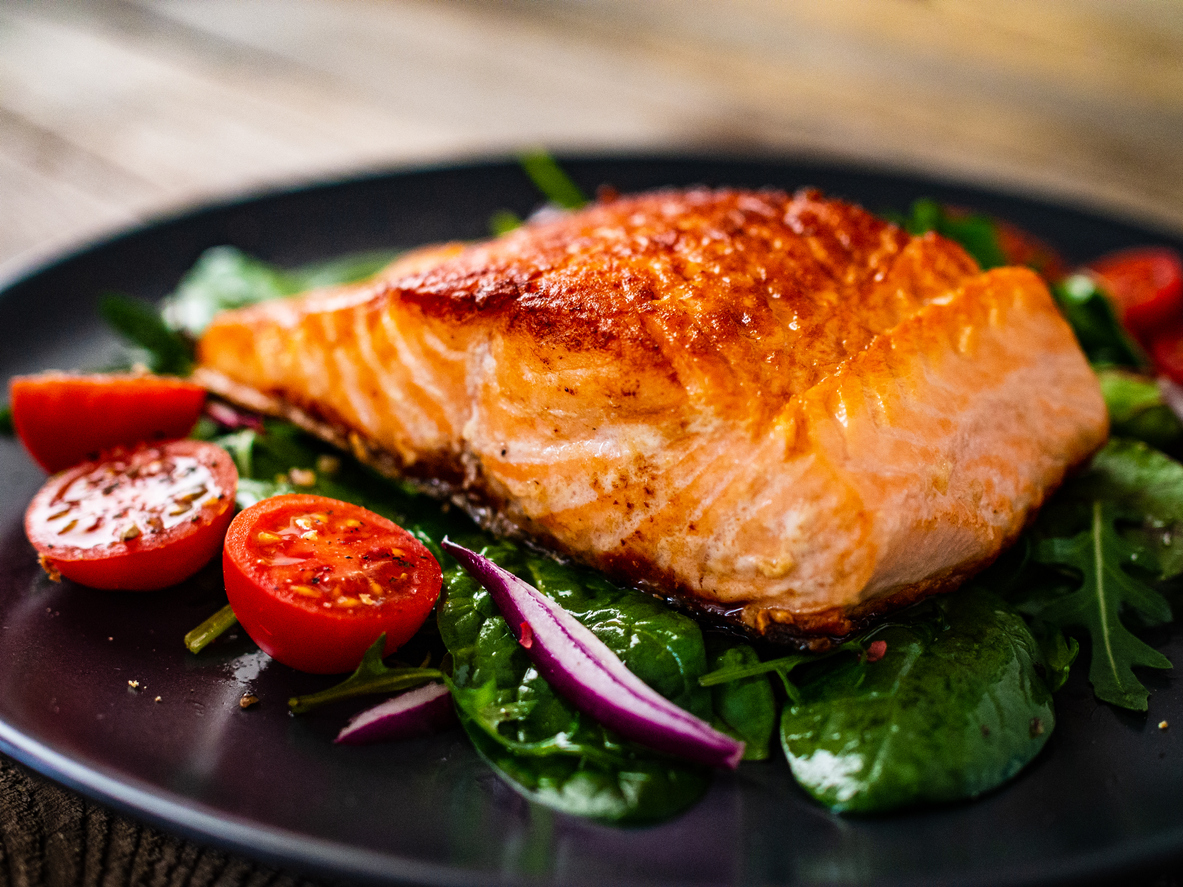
(1092, 318)
(745, 707)
(6, 426)
(1137, 409)
(154, 344)
(1100, 561)
(976, 233)
(370, 677)
(538, 741)
(225, 277)
(552, 180)
(954, 708)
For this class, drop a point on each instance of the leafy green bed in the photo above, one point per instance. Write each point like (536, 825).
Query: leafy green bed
(945, 701)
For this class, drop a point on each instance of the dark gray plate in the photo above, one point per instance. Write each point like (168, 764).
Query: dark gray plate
(1104, 798)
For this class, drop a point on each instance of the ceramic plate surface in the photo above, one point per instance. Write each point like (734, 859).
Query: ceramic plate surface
(1105, 796)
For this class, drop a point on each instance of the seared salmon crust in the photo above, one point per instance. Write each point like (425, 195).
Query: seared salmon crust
(776, 409)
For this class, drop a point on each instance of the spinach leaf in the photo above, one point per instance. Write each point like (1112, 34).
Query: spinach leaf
(225, 277)
(1098, 560)
(1092, 318)
(1137, 410)
(953, 708)
(156, 346)
(745, 707)
(546, 748)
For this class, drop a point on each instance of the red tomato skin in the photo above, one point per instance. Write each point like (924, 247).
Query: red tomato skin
(1146, 286)
(63, 418)
(151, 561)
(1166, 352)
(305, 635)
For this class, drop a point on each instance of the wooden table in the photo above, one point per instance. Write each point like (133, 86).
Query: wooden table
(113, 113)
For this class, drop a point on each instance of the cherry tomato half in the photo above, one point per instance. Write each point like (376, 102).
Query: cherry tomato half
(1146, 285)
(64, 418)
(135, 519)
(315, 581)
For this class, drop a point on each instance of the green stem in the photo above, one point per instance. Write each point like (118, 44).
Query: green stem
(392, 681)
(199, 638)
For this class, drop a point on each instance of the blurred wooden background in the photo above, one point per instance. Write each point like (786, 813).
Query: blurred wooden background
(115, 111)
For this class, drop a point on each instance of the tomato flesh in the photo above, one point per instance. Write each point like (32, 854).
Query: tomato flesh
(135, 520)
(63, 418)
(315, 581)
(1146, 286)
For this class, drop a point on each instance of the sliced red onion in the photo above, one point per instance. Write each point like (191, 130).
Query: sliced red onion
(583, 670)
(417, 712)
(1172, 395)
(232, 417)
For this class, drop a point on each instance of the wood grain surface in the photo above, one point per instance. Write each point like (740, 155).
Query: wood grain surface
(113, 112)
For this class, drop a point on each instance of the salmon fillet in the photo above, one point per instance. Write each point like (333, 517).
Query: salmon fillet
(777, 409)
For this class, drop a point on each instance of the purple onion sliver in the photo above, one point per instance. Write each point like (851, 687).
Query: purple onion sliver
(582, 669)
(417, 712)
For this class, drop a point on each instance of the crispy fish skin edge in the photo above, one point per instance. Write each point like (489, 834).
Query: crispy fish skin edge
(443, 480)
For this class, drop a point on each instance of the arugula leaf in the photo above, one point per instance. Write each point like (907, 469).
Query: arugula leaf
(1092, 318)
(1146, 488)
(1137, 409)
(370, 677)
(161, 349)
(225, 277)
(1100, 558)
(954, 707)
(537, 740)
(549, 178)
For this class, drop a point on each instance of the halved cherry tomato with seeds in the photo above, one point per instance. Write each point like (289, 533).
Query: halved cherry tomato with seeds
(314, 581)
(137, 519)
(65, 418)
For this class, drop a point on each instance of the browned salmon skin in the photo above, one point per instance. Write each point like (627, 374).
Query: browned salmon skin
(775, 408)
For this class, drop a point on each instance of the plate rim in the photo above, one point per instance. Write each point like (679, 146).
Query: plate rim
(288, 849)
